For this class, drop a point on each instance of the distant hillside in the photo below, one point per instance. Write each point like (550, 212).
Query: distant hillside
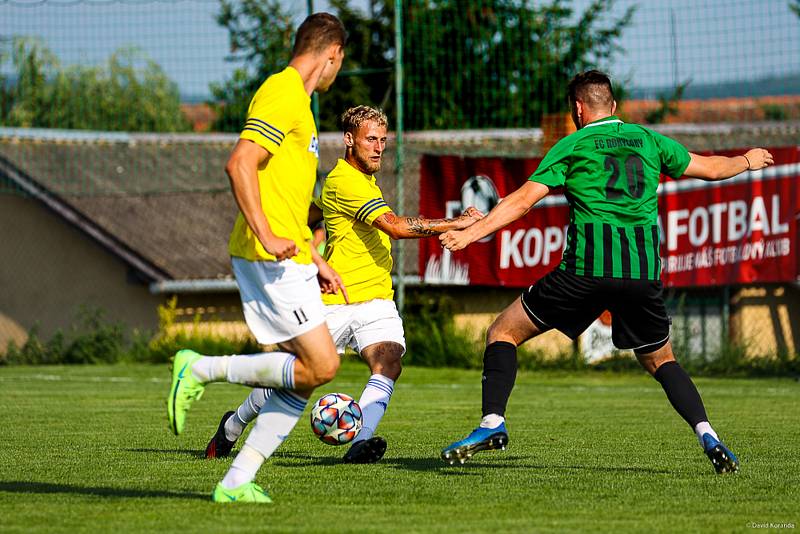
(772, 86)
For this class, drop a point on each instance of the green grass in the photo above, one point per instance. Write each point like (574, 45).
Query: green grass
(87, 449)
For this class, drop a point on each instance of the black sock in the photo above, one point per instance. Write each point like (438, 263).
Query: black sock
(499, 373)
(682, 393)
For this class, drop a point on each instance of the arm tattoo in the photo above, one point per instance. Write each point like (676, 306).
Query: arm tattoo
(417, 226)
(420, 226)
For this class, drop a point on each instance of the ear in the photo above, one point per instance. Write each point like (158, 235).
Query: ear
(614, 107)
(333, 51)
(348, 139)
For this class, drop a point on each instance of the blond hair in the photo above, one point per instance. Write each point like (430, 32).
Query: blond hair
(354, 117)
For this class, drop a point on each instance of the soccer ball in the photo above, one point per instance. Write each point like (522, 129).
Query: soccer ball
(336, 418)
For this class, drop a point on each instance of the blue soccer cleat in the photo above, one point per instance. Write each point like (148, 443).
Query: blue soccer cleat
(481, 439)
(723, 460)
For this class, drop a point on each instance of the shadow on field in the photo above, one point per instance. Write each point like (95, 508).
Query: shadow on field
(518, 463)
(48, 488)
(470, 468)
(290, 459)
(186, 452)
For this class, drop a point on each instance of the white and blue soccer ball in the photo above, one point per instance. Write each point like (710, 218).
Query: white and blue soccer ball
(336, 418)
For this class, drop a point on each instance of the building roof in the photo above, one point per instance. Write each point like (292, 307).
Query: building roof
(160, 203)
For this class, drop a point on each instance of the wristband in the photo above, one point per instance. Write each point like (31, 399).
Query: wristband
(747, 160)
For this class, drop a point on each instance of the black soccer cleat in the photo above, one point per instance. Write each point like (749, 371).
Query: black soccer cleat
(481, 439)
(722, 458)
(220, 446)
(366, 451)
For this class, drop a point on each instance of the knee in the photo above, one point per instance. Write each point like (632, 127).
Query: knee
(385, 359)
(390, 368)
(496, 333)
(652, 361)
(324, 371)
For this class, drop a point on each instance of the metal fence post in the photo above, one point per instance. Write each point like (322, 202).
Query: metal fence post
(398, 84)
(314, 95)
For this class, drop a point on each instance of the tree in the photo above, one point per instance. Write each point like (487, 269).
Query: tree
(129, 93)
(498, 63)
(501, 63)
(795, 6)
(261, 37)
(367, 75)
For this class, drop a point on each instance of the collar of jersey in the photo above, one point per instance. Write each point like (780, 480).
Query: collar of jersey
(369, 177)
(599, 122)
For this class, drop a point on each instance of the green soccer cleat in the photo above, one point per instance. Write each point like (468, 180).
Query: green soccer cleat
(250, 492)
(184, 391)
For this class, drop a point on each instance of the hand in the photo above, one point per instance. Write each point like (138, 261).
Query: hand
(470, 216)
(329, 281)
(455, 240)
(758, 158)
(280, 247)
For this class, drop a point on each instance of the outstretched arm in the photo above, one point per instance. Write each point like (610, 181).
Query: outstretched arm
(399, 227)
(509, 210)
(721, 167)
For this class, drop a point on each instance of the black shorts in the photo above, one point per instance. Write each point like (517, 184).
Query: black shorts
(570, 303)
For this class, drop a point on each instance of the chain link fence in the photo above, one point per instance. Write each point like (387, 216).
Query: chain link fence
(112, 191)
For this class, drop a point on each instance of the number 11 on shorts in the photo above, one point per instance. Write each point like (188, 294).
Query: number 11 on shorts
(300, 315)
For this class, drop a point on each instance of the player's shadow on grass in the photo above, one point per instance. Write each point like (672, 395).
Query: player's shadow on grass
(506, 462)
(428, 464)
(517, 462)
(294, 459)
(184, 452)
(15, 486)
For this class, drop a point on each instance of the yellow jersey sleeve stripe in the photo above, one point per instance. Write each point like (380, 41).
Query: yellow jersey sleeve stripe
(267, 126)
(254, 127)
(260, 135)
(368, 204)
(381, 206)
(369, 207)
(377, 212)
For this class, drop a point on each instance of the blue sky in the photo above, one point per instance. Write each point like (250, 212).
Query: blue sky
(716, 40)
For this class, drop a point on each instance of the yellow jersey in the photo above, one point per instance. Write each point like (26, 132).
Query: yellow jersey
(279, 119)
(359, 252)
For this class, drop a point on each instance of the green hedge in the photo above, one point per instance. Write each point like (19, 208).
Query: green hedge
(432, 339)
(93, 339)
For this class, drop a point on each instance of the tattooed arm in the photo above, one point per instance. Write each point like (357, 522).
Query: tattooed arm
(399, 227)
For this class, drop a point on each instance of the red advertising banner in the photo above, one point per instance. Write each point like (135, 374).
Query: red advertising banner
(737, 231)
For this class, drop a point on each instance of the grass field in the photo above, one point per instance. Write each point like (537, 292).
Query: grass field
(87, 449)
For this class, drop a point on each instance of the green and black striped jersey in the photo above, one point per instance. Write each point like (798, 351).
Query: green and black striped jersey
(610, 172)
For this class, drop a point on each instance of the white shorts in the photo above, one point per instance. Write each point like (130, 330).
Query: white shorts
(280, 300)
(364, 323)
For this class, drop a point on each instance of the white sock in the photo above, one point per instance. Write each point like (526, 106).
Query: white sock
(704, 427)
(210, 368)
(374, 401)
(277, 418)
(267, 369)
(244, 468)
(246, 413)
(492, 421)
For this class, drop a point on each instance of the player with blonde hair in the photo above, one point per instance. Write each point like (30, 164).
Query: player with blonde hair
(360, 227)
